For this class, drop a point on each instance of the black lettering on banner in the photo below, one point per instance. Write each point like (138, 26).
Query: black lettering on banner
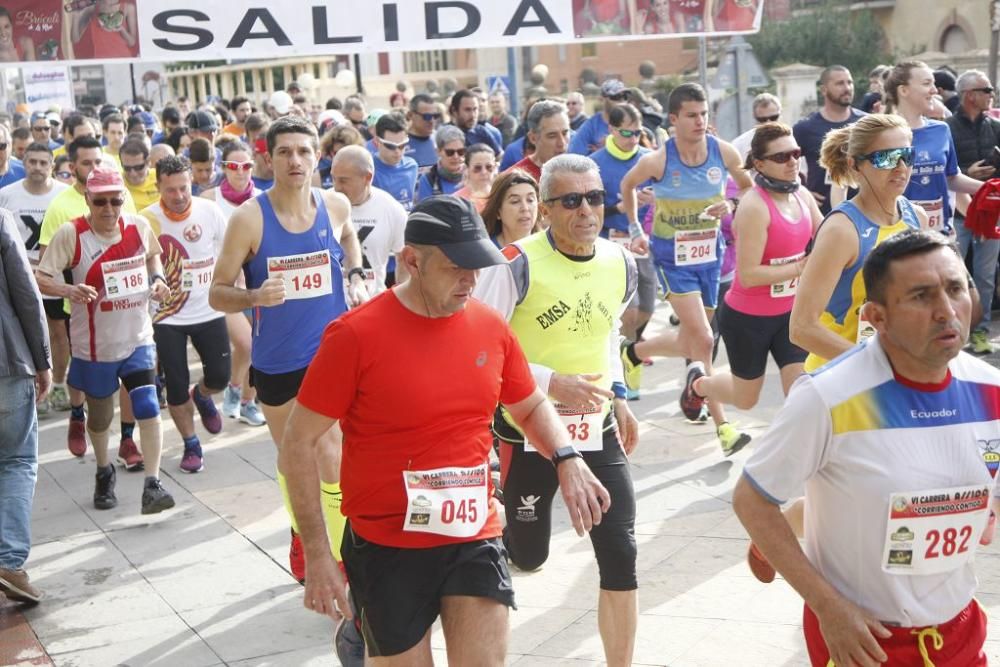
(390, 22)
(542, 18)
(321, 33)
(162, 22)
(473, 19)
(272, 30)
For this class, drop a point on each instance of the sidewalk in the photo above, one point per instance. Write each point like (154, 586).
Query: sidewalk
(207, 583)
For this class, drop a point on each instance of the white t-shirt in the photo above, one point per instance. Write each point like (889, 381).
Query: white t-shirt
(380, 223)
(854, 435)
(190, 248)
(742, 142)
(28, 210)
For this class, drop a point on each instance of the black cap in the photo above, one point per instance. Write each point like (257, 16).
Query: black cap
(202, 120)
(944, 80)
(454, 225)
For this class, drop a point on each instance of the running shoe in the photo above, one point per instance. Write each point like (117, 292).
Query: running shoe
(703, 415)
(692, 403)
(297, 558)
(348, 642)
(155, 498)
(231, 402)
(129, 455)
(104, 489)
(43, 407)
(77, 437)
(980, 342)
(731, 440)
(759, 566)
(192, 461)
(210, 417)
(16, 585)
(59, 398)
(633, 372)
(250, 413)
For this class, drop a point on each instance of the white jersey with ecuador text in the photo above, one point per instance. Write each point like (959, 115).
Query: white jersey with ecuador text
(190, 248)
(897, 476)
(379, 222)
(228, 208)
(112, 326)
(29, 211)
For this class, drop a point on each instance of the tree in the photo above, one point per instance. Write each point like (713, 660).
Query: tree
(830, 34)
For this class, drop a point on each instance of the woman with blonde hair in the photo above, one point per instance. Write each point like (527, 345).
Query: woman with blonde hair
(511, 212)
(480, 172)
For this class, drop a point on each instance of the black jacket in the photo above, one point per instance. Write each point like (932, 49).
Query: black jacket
(974, 139)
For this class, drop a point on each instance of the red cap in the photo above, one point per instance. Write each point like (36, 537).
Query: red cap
(105, 179)
(260, 146)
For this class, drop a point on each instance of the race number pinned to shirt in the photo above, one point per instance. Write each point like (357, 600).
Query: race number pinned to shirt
(196, 274)
(935, 213)
(785, 288)
(446, 501)
(930, 532)
(623, 239)
(696, 247)
(583, 425)
(306, 276)
(125, 277)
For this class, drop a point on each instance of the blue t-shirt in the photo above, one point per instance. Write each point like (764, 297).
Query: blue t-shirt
(590, 137)
(262, 183)
(372, 148)
(513, 154)
(422, 150)
(613, 171)
(425, 186)
(934, 160)
(809, 134)
(15, 172)
(484, 133)
(400, 181)
(323, 168)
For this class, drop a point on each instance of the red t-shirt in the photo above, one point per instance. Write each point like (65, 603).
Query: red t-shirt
(412, 393)
(526, 164)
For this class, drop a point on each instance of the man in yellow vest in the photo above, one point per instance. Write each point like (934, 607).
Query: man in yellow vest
(564, 291)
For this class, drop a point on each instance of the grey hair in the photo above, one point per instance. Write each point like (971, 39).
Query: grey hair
(567, 163)
(542, 110)
(353, 104)
(765, 99)
(447, 134)
(968, 80)
(357, 156)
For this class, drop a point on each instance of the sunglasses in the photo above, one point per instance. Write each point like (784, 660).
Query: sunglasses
(135, 167)
(237, 166)
(987, 90)
(890, 157)
(628, 134)
(64, 174)
(451, 152)
(768, 119)
(784, 156)
(620, 97)
(430, 116)
(101, 202)
(479, 168)
(400, 146)
(40, 128)
(573, 200)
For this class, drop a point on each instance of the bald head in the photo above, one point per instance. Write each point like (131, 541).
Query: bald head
(356, 157)
(352, 172)
(158, 152)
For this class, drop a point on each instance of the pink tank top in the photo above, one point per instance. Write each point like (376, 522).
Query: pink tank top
(786, 242)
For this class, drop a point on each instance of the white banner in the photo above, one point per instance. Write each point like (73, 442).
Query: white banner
(235, 29)
(47, 85)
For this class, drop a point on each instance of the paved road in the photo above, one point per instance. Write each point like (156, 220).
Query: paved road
(207, 583)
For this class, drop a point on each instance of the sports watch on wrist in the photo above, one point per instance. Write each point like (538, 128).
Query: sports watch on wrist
(564, 454)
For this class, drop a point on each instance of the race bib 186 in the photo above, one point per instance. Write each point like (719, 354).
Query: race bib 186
(125, 277)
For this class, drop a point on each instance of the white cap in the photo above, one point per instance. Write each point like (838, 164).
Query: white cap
(281, 101)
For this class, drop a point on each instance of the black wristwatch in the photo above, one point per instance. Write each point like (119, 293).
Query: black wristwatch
(156, 276)
(564, 454)
(357, 270)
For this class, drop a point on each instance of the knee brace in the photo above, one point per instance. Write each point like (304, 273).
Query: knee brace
(100, 413)
(145, 405)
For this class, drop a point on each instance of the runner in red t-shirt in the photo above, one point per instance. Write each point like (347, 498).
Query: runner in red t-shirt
(414, 377)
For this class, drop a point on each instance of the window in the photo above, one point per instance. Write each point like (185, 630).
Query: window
(427, 61)
(954, 40)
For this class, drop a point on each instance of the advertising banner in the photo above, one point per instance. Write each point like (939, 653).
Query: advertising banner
(47, 30)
